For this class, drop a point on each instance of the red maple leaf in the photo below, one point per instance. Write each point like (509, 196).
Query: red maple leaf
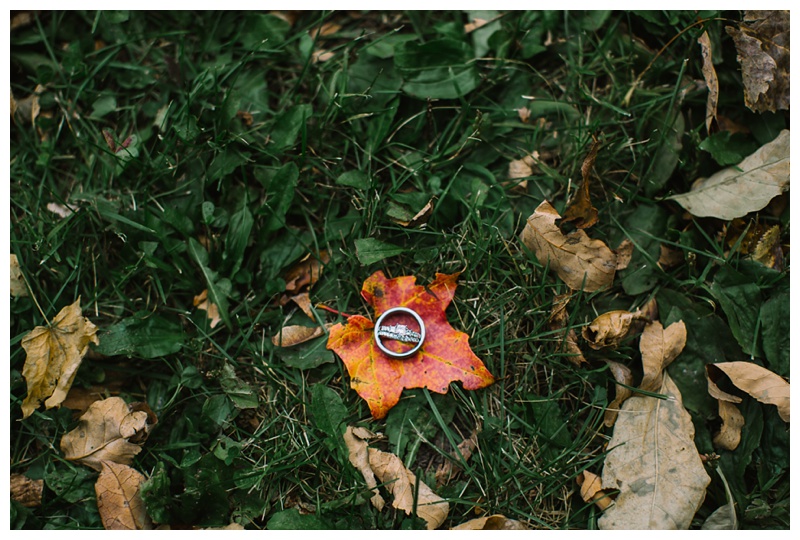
(445, 355)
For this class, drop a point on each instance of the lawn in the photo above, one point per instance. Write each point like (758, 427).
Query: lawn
(217, 194)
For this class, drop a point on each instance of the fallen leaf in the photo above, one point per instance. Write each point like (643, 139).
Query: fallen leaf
(464, 450)
(118, 498)
(303, 301)
(622, 374)
(54, 353)
(401, 483)
(496, 522)
(104, 432)
(762, 384)
(418, 219)
(18, 287)
(355, 439)
(669, 257)
(610, 328)
(762, 44)
(27, 109)
(444, 357)
(592, 489)
(624, 252)
(292, 335)
(559, 318)
(61, 210)
(654, 464)
(305, 273)
(524, 114)
(659, 347)
(710, 76)
(26, 491)
(520, 169)
(730, 432)
(580, 209)
(201, 301)
(581, 262)
(748, 187)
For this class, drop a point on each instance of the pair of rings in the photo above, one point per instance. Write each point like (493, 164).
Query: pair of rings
(399, 332)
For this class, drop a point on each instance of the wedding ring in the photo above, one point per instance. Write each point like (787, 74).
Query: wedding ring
(399, 332)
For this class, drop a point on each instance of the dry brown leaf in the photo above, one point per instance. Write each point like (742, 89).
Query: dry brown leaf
(201, 301)
(305, 273)
(446, 471)
(54, 354)
(400, 482)
(622, 374)
(497, 522)
(559, 318)
(26, 491)
(292, 335)
(524, 114)
(730, 432)
(762, 44)
(27, 109)
(580, 209)
(118, 499)
(624, 253)
(762, 384)
(474, 24)
(654, 464)
(592, 489)
(103, 434)
(303, 301)
(18, 287)
(659, 347)
(610, 328)
(669, 257)
(355, 439)
(581, 262)
(523, 168)
(710, 76)
(748, 187)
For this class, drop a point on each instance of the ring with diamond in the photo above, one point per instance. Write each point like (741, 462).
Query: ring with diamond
(399, 332)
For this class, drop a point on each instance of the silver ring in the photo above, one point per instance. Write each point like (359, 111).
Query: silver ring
(399, 332)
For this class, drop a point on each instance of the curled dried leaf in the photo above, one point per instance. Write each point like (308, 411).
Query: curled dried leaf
(104, 433)
(730, 432)
(710, 76)
(559, 319)
(581, 262)
(610, 328)
(292, 335)
(580, 209)
(659, 347)
(355, 439)
(762, 384)
(592, 489)
(622, 374)
(496, 522)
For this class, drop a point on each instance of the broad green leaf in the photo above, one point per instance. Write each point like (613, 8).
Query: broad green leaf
(329, 413)
(263, 31)
(218, 289)
(280, 185)
(225, 163)
(239, 228)
(741, 304)
(384, 46)
(242, 394)
(372, 250)
(218, 409)
(292, 519)
(307, 355)
(103, 105)
(144, 336)
(775, 330)
(356, 179)
(666, 156)
(439, 69)
(287, 126)
(643, 227)
(155, 492)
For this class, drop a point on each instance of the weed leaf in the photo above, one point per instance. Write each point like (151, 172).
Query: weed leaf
(54, 354)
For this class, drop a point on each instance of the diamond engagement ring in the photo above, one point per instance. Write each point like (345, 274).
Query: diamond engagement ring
(399, 332)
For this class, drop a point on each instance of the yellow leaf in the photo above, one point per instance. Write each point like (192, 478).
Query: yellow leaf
(103, 434)
(18, 287)
(118, 499)
(762, 384)
(581, 262)
(54, 354)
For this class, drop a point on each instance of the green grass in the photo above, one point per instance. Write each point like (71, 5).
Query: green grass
(208, 197)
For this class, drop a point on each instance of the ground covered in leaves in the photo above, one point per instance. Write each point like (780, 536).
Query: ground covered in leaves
(209, 211)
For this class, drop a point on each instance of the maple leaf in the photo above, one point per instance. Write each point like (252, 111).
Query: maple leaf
(54, 353)
(445, 355)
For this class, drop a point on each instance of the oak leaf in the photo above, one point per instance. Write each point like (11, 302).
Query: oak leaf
(54, 353)
(581, 262)
(654, 464)
(119, 500)
(748, 187)
(762, 384)
(444, 357)
(105, 431)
